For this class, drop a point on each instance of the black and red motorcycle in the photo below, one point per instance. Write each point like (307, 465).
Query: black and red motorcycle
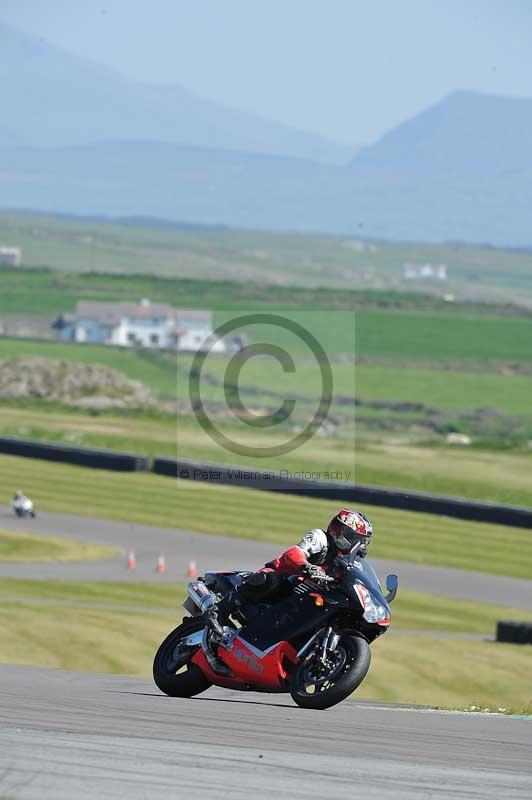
(312, 641)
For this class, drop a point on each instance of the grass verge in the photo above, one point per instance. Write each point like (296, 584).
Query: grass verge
(450, 673)
(30, 547)
(98, 594)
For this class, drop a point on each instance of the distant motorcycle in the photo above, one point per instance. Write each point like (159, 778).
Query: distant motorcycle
(23, 507)
(313, 642)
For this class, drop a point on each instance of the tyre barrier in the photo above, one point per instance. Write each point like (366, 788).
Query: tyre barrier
(267, 480)
(69, 454)
(514, 632)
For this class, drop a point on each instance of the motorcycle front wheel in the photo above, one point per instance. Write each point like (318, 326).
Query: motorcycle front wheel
(321, 685)
(172, 672)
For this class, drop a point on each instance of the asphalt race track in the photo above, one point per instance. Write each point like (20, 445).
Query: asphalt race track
(219, 552)
(67, 735)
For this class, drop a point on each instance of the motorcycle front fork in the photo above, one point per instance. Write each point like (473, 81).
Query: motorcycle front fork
(329, 644)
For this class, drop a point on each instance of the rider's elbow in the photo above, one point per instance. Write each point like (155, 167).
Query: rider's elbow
(292, 561)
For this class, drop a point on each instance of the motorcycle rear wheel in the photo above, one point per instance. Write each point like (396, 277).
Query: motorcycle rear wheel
(169, 659)
(313, 686)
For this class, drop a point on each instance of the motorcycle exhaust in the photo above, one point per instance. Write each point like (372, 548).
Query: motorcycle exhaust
(201, 596)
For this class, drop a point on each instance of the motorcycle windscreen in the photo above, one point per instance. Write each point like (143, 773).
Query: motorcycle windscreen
(363, 570)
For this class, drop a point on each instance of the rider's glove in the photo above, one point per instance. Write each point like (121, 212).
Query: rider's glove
(314, 571)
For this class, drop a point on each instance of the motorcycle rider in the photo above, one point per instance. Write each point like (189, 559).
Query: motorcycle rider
(313, 555)
(20, 503)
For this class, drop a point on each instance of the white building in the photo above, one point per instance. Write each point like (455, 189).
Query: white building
(10, 256)
(425, 272)
(142, 324)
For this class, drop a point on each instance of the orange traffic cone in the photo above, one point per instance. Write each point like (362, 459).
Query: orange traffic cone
(161, 564)
(131, 560)
(192, 571)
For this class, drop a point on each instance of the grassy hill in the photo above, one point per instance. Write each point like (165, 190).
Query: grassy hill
(279, 260)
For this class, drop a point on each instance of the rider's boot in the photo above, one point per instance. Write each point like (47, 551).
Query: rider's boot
(211, 639)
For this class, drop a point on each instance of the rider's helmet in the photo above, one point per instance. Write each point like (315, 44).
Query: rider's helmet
(349, 528)
(18, 494)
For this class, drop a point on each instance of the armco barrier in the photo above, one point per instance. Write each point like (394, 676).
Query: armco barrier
(82, 456)
(345, 492)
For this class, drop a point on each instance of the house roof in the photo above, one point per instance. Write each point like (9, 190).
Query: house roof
(108, 313)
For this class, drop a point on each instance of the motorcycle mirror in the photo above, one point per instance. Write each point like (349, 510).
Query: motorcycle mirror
(392, 584)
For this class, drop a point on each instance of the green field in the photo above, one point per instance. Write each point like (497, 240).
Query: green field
(225, 510)
(404, 326)
(439, 388)
(489, 401)
(45, 290)
(433, 337)
(105, 627)
(268, 258)
(21, 546)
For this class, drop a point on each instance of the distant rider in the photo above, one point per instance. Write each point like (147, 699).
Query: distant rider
(22, 504)
(314, 555)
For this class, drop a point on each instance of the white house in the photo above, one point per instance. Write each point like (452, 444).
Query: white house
(10, 256)
(425, 271)
(142, 324)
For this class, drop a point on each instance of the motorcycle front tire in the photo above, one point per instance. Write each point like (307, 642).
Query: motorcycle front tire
(359, 655)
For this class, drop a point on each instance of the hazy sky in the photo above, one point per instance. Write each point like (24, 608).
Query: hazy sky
(345, 68)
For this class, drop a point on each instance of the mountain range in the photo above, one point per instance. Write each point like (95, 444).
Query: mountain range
(56, 98)
(82, 139)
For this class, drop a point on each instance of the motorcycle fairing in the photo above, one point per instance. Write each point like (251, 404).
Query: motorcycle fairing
(286, 620)
(363, 573)
(262, 670)
(266, 648)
